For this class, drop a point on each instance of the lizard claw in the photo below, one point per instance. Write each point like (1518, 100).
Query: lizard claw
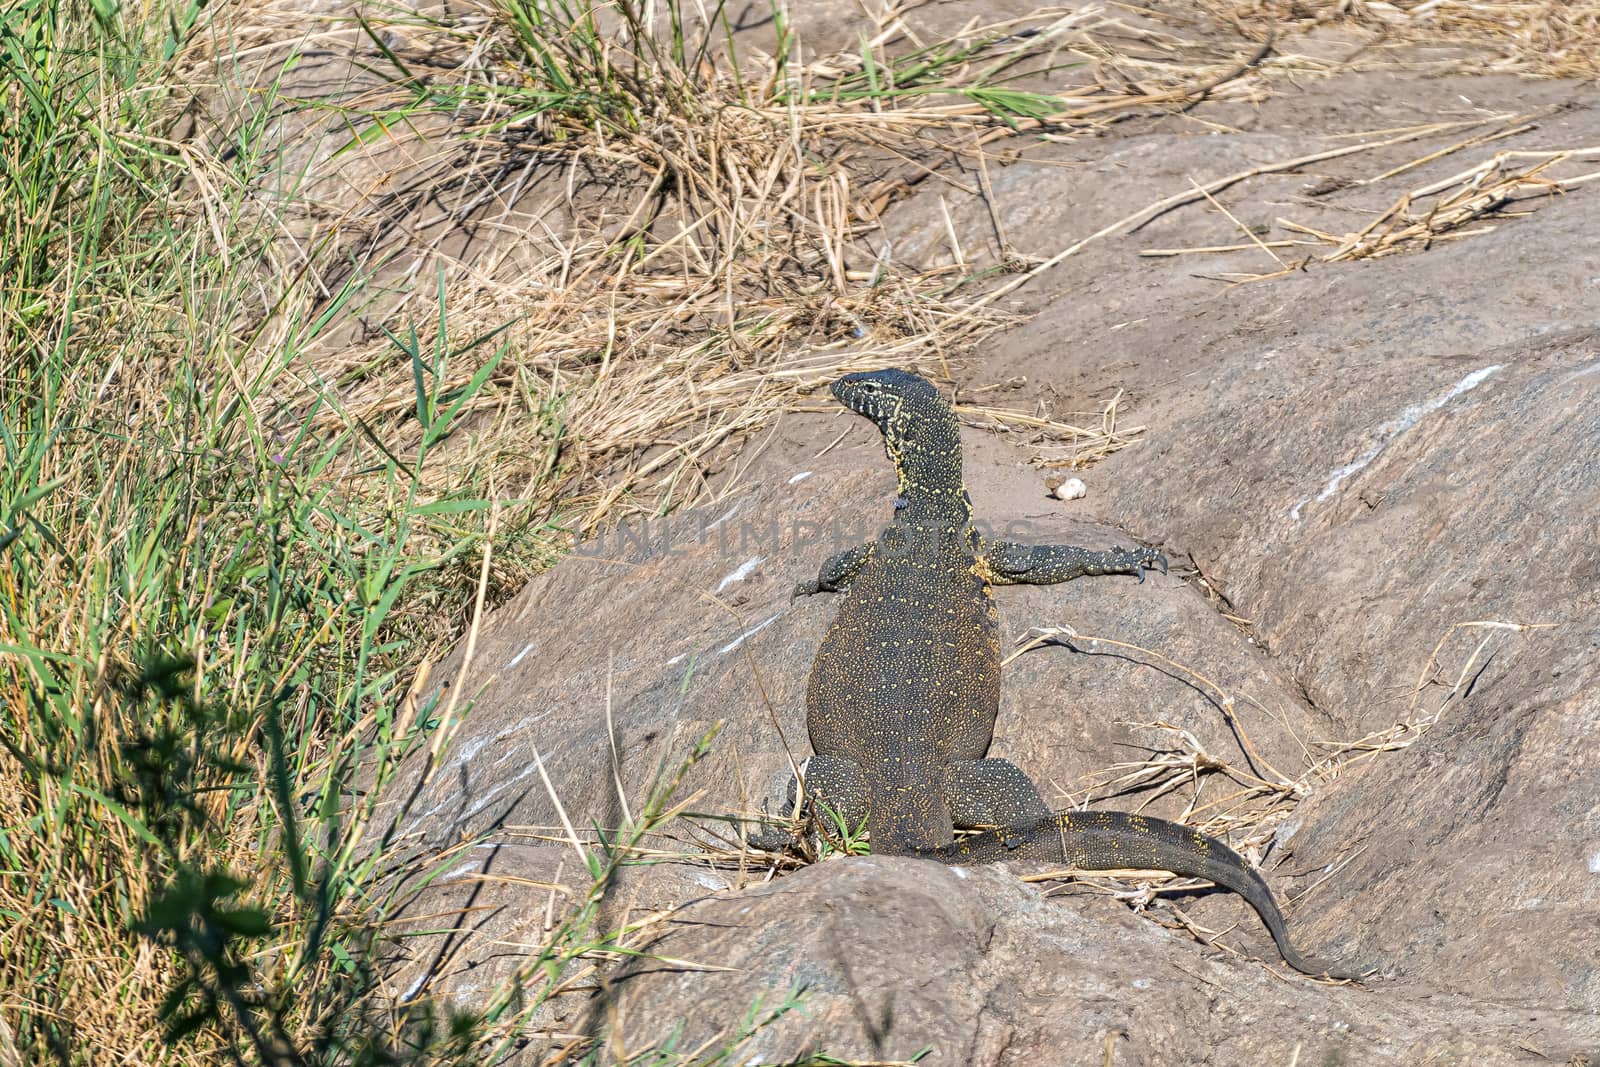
(769, 838)
(803, 589)
(1151, 559)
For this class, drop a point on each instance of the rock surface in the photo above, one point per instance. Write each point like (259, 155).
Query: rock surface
(897, 955)
(1361, 465)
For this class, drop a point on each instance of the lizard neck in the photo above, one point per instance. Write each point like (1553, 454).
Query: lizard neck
(932, 494)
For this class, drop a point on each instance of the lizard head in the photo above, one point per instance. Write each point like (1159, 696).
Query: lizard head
(919, 429)
(907, 408)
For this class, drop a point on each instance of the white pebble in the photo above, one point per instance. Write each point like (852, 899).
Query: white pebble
(1071, 489)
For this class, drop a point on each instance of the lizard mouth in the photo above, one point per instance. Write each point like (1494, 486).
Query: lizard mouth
(863, 395)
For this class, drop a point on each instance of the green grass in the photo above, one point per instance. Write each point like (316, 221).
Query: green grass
(207, 611)
(204, 624)
(565, 42)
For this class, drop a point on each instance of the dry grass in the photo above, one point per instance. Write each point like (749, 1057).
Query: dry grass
(1253, 800)
(1543, 38)
(1464, 204)
(1058, 445)
(1444, 209)
(676, 283)
(670, 284)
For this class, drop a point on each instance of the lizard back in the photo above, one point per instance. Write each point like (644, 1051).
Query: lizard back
(914, 653)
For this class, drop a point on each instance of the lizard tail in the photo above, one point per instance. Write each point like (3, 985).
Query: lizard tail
(1111, 840)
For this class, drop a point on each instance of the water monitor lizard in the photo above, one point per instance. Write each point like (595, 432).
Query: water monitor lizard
(903, 696)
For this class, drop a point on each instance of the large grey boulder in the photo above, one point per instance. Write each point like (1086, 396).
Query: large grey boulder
(1356, 466)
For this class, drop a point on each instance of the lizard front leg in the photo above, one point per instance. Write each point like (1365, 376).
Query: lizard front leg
(1012, 563)
(838, 572)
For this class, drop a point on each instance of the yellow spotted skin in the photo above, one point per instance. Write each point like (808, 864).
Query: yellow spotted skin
(902, 698)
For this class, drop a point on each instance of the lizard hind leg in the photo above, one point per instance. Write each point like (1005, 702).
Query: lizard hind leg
(992, 792)
(840, 786)
(832, 783)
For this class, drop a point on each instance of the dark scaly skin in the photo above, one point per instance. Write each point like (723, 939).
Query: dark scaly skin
(903, 695)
